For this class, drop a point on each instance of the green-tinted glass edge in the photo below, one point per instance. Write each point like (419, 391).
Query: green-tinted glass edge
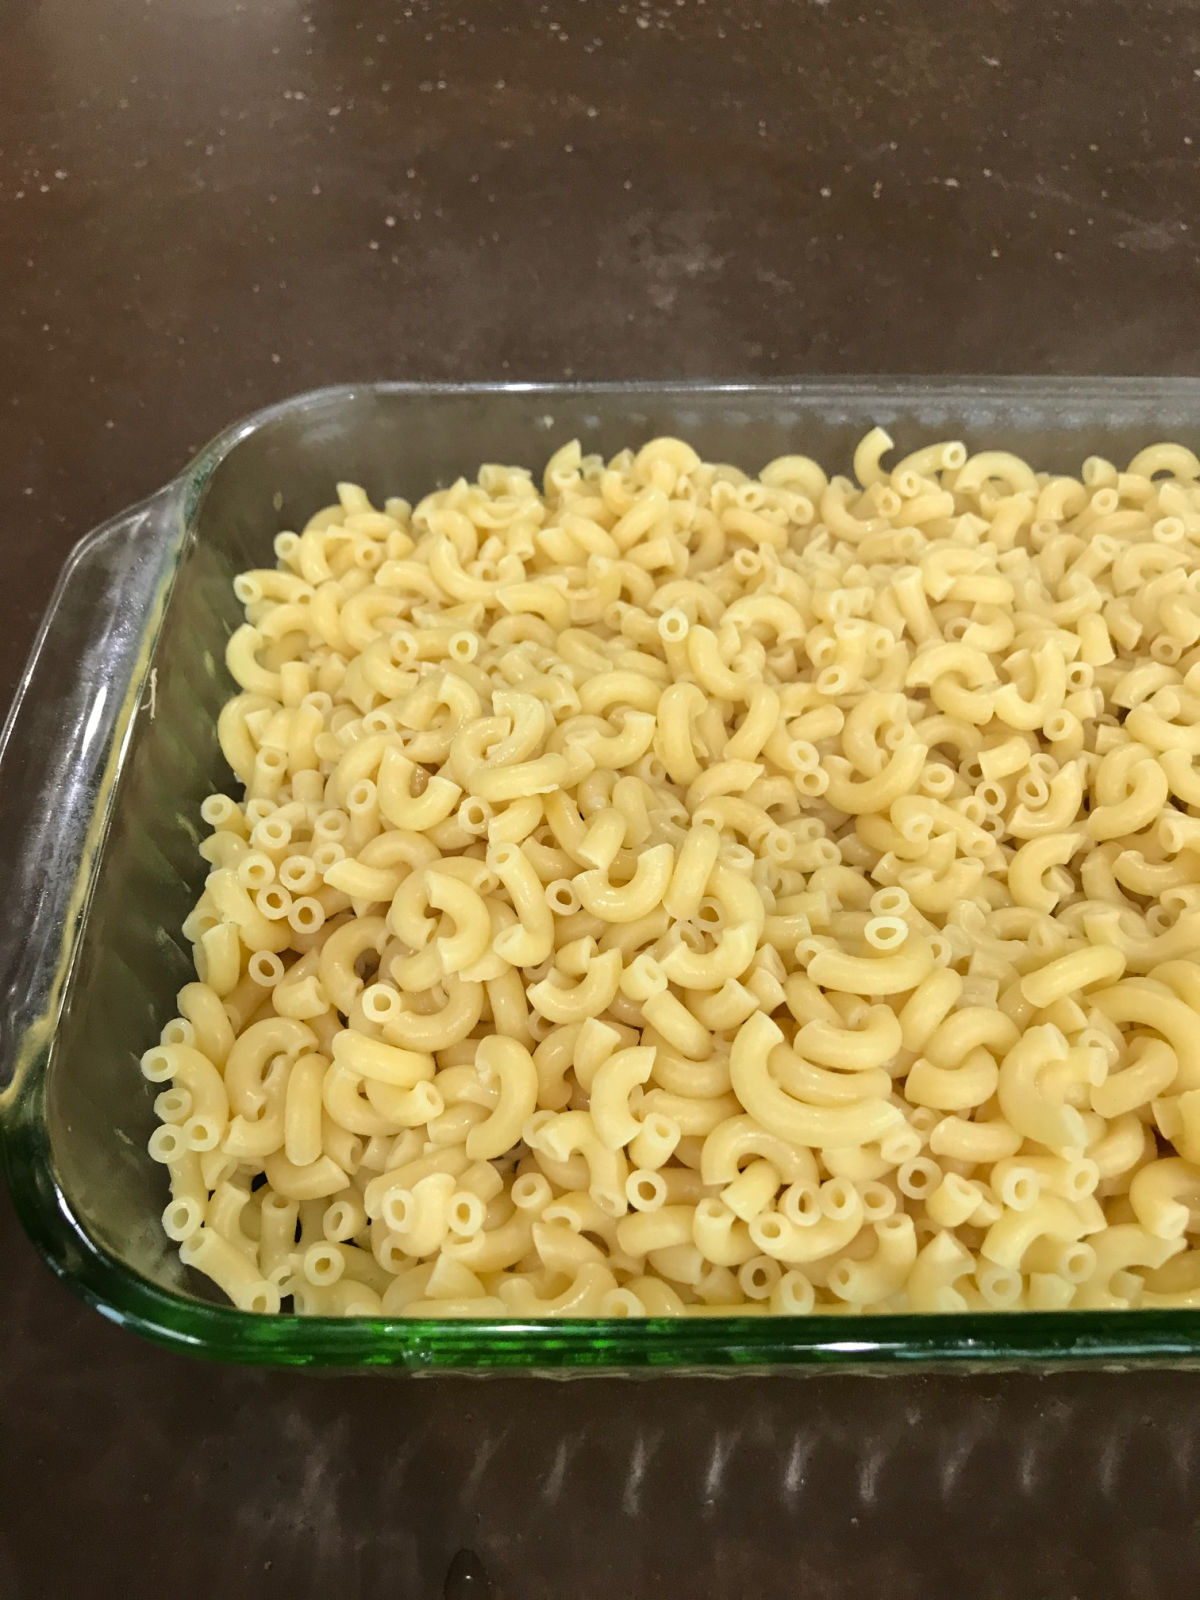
(969, 1342)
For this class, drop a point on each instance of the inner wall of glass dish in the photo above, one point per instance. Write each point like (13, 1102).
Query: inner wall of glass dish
(132, 959)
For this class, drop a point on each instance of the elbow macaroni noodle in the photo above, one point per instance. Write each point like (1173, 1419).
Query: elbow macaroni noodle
(667, 891)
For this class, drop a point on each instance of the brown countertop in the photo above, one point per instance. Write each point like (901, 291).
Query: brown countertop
(208, 204)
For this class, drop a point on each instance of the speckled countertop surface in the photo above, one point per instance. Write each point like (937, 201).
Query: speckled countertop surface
(206, 205)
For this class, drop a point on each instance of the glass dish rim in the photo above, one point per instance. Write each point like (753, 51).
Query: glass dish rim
(686, 1345)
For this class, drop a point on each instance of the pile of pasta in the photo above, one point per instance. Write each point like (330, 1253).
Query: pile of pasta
(669, 891)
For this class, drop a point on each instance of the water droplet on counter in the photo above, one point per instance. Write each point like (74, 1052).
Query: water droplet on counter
(466, 1578)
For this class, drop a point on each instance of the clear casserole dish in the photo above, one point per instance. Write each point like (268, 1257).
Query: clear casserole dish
(111, 745)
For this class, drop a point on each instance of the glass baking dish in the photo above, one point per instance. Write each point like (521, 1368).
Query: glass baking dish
(110, 746)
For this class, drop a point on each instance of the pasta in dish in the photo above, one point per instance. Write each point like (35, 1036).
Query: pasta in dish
(665, 891)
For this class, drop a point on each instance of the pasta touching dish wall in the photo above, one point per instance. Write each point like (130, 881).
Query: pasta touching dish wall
(667, 891)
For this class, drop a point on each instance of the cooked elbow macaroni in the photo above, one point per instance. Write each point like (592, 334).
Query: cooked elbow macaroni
(667, 891)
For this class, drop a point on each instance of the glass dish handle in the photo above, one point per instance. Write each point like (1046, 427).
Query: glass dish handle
(72, 710)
